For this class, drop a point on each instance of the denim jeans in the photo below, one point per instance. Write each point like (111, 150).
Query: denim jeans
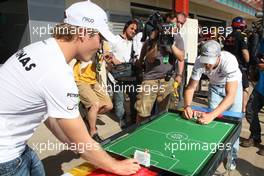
(28, 164)
(119, 99)
(180, 93)
(216, 95)
(119, 104)
(254, 105)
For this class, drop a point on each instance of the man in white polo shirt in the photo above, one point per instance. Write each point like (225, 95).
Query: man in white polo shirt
(225, 88)
(37, 82)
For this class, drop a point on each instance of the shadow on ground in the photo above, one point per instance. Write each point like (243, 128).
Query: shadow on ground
(242, 139)
(246, 168)
(112, 115)
(52, 164)
(200, 100)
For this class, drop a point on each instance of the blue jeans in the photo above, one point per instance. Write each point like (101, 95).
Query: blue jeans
(28, 164)
(216, 95)
(119, 99)
(180, 92)
(119, 104)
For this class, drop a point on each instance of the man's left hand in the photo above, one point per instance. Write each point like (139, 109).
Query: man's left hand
(178, 79)
(205, 118)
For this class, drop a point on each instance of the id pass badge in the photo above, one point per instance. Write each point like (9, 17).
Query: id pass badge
(166, 59)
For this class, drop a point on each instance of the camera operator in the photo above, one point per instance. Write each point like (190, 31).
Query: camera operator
(158, 53)
(178, 20)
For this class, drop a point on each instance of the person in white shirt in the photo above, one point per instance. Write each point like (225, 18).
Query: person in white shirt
(124, 52)
(225, 87)
(37, 84)
(123, 45)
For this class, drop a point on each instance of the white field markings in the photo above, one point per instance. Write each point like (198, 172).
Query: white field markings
(134, 133)
(195, 124)
(145, 127)
(170, 134)
(156, 131)
(154, 163)
(133, 148)
(154, 152)
(177, 136)
(209, 153)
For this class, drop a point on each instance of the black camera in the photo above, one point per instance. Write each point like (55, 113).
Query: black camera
(168, 75)
(166, 34)
(165, 30)
(151, 25)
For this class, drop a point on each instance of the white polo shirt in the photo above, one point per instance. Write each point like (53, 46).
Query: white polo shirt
(122, 49)
(35, 81)
(226, 71)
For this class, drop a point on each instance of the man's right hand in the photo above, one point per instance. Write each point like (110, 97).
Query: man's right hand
(108, 57)
(127, 167)
(188, 112)
(76, 132)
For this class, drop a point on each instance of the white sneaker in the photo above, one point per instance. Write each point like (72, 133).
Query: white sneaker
(122, 123)
(231, 166)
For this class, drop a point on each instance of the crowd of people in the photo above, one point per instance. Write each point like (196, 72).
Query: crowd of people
(143, 62)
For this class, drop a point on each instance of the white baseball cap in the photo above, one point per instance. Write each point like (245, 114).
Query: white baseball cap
(209, 52)
(89, 15)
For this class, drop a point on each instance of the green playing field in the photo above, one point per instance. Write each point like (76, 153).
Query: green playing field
(175, 144)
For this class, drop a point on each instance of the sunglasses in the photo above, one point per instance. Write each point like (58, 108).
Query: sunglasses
(92, 32)
(102, 37)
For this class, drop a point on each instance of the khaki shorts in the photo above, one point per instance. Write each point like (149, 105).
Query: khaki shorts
(150, 91)
(93, 93)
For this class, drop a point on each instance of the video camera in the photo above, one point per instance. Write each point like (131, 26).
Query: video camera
(259, 24)
(165, 30)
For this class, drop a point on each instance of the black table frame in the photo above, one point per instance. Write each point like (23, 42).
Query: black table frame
(211, 166)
